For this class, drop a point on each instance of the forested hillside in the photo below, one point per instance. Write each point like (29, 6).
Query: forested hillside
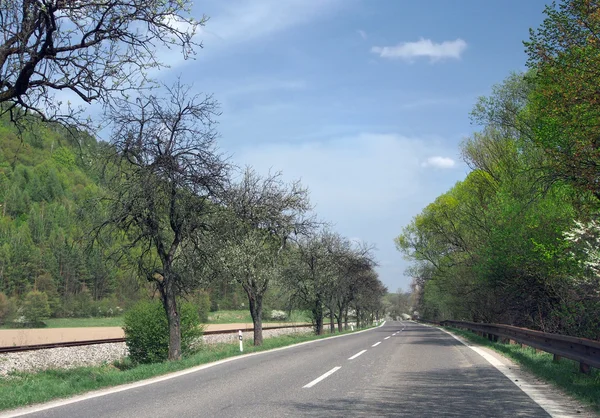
(47, 184)
(516, 242)
(50, 200)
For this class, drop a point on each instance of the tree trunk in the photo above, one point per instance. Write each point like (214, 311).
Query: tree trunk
(255, 302)
(331, 321)
(170, 304)
(357, 318)
(346, 318)
(318, 317)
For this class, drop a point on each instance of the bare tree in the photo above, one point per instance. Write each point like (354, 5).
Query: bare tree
(262, 215)
(93, 49)
(166, 175)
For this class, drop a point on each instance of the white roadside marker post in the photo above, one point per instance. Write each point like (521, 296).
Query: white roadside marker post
(241, 340)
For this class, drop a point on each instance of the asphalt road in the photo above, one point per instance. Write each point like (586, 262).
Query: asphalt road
(406, 370)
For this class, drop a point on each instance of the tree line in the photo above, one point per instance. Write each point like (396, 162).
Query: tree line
(516, 241)
(156, 209)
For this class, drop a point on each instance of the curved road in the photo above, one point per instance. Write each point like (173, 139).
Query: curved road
(399, 369)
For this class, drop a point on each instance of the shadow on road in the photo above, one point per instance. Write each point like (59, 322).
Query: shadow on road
(460, 392)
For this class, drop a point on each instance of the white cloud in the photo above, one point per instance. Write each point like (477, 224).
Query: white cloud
(439, 162)
(422, 48)
(244, 20)
(362, 33)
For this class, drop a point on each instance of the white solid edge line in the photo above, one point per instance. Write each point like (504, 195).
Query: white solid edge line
(548, 405)
(103, 392)
(376, 344)
(318, 379)
(357, 354)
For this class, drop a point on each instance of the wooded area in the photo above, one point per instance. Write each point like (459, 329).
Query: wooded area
(516, 242)
(90, 227)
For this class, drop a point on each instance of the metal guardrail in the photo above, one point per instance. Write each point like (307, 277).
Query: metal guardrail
(582, 350)
(19, 348)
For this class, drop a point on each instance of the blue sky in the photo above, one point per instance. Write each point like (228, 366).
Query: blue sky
(366, 101)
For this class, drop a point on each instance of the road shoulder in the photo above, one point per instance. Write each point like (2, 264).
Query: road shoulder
(548, 396)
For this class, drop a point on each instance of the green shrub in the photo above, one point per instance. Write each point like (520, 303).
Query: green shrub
(36, 307)
(4, 308)
(147, 331)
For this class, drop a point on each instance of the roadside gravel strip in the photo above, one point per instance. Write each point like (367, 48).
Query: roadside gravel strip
(95, 355)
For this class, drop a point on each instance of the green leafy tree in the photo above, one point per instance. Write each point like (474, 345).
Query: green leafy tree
(564, 54)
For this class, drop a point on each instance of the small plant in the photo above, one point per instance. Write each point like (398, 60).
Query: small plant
(147, 331)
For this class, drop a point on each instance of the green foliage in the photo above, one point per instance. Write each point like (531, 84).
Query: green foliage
(36, 307)
(5, 308)
(564, 53)
(493, 247)
(204, 306)
(147, 331)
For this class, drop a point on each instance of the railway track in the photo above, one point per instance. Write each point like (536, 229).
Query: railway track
(19, 348)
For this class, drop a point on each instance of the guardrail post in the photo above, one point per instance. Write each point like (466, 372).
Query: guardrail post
(584, 368)
(556, 358)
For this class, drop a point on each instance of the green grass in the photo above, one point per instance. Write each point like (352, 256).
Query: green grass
(220, 317)
(116, 321)
(20, 389)
(563, 374)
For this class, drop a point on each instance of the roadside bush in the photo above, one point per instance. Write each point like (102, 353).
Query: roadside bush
(147, 331)
(36, 307)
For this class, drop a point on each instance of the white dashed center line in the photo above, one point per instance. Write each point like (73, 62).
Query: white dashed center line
(357, 354)
(386, 337)
(376, 344)
(318, 379)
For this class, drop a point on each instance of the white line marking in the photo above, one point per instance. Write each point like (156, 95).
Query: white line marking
(376, 344)
(357, 354)
(386, 337)
(318, 379)
(115, 389)
(551, 407)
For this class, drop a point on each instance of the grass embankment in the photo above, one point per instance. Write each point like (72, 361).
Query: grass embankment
(219, 317)
(20, 389)
(563, 374)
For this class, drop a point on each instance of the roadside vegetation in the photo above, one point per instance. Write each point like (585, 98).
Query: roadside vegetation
(20, 389)
(518, 240)
(563, 374)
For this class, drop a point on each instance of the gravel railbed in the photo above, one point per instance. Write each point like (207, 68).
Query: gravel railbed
(95, 355)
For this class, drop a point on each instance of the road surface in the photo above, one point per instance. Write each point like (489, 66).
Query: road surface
(399, 369)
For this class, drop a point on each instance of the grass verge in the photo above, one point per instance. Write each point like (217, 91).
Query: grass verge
(21, 389)
(564, 374)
